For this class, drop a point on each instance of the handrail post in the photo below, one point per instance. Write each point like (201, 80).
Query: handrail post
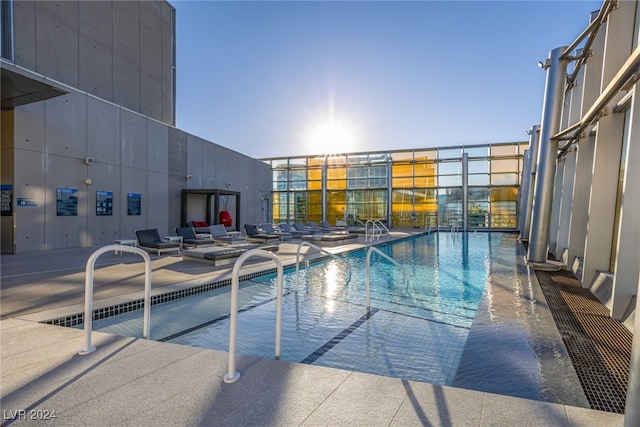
(332, 255)
(232, 375)
(88, 292)
(368, 274)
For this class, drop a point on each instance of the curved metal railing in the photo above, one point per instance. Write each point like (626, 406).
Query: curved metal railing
(232, 375)
(332, 255)
(88, 292)
(379, 252)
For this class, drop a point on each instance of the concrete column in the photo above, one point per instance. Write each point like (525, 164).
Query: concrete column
(590, 76)
(534, 140)
(581, 191)
(547, 154)
(627, 266)
(558, 195)
(602, 202)
(564, 222)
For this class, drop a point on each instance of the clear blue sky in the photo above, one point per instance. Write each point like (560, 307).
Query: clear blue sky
(276, 78)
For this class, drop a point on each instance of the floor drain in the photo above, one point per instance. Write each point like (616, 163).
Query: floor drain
(599, 346)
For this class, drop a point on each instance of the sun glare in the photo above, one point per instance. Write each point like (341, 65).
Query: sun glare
(332, 136)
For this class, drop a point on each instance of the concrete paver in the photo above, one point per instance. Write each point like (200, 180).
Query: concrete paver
(137, 382)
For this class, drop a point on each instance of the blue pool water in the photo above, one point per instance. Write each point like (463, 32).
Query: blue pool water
(415, 330)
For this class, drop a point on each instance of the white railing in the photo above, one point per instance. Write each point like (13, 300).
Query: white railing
(334, 256)
(232, 376)
(379, 252)
(377, 229)
(457, 225)
(376, 232)
(383, 228)
(429, 224)
(88, 292)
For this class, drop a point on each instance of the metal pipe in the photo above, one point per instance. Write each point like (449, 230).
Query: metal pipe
(232, 376)
(547, 153)
(522, 197)
(622, 77)
(590, 28)
(534, 141)
(465, 189)
(88, 292)
(368, 271)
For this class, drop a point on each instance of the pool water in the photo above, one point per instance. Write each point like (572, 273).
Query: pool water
(415, 330)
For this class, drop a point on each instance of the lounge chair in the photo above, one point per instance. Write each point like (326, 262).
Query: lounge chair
(295, 233)
(150, 241)
(255, 235)
(221, 237)
(326, 226)
(189, 237)
(307, 230)
(270, 229)
(331, 239)
(222, 255)
(200, 227)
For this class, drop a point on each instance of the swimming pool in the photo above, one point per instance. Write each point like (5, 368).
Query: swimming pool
(415, 330)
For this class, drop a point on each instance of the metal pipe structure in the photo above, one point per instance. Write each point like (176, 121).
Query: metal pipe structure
(465, 190)
(534, 141)
(547, 155)
(589, 32)
(627, 72)
(232, 375)
(88, 292)
(522, 197)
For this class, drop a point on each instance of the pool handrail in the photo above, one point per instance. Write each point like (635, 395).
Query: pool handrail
(232, 375)
(376, 232)
(332, 255)
(379, 252)
(88, 292)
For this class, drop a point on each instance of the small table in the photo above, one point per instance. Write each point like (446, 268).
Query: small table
(125, 242)
(174, 239)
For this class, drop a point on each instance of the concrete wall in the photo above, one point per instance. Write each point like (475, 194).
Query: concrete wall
(120, 51)
(132, 153)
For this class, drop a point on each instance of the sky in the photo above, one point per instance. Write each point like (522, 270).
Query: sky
(288, 78)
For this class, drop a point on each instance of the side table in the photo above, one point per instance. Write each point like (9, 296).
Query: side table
(125, 242)
(173, 239)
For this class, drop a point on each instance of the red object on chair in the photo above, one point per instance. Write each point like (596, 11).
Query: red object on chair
(225, 218)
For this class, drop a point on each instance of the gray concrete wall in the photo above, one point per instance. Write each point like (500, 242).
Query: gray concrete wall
(131, 153)
(120, 51)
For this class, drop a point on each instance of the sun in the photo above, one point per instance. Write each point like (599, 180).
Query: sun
(332, 136)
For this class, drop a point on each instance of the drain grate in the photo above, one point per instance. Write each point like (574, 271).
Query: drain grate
(599, 346)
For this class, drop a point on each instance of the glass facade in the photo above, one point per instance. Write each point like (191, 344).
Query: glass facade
(404, 188)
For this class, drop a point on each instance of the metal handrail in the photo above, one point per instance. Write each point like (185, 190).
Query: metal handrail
(332, 255)
(232, 375)
(385, 230)
(88, 292)
(379, 252)
(375, 233)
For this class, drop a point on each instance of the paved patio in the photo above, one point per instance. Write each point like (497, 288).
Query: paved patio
(129, 381)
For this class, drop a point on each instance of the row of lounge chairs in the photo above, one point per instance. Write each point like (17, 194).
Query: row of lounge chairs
(217, 235)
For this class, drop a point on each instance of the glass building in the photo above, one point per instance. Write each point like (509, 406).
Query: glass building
(473, 186)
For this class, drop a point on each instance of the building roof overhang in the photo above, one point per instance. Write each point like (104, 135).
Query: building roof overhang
(21, 87)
